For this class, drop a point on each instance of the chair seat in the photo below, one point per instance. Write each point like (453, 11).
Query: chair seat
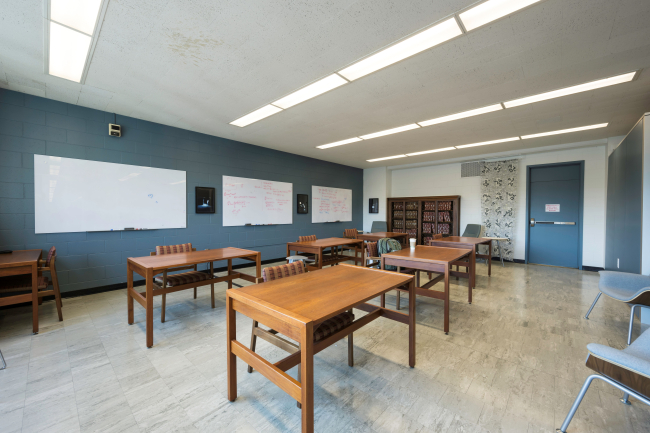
(183, 278)
(635, 357)
(623, 286)
(22, 283)
(333, 325)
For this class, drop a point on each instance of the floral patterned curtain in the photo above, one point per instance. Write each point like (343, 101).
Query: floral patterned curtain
(499, 203)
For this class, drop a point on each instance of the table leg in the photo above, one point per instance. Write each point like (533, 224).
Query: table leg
(490, 259)
(469, 280)
(231, 331)
(320, 258)
(129, 287)
(446, 326)
(412, 324)
(307, 377)
(229, 272)
(500, 253)
(35, 298)
(258, 266)
(382, 298)
(472, 260)
(288, 253)
(149, 324)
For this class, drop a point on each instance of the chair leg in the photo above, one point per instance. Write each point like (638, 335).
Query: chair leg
(629, 331)
(57, 301)
(625, 399)
(397, 304)
(2, 358)
(253, 341)
(162, 311)
(592, 305)
(195, 293)
(576, 403)
(212, 293)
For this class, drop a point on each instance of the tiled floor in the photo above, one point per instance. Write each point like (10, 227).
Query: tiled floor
(513, 362)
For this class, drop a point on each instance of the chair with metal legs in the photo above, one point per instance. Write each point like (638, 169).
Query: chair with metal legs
(627, 370)
(624, 287)
(4, 364)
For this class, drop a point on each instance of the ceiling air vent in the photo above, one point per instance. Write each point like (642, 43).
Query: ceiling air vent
(470, 169)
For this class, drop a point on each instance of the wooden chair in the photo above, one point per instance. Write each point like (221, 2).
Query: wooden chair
(349, 234)
(372, 255)
(326, 257)
(324, 330)
(168, 281)
(19, 285)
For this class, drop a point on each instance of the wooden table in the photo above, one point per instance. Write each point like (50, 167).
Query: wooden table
(374, 237)
(150, 266)
(316, 247)
(19, 263)
(463, 242)
(295, 307)
(433, 259)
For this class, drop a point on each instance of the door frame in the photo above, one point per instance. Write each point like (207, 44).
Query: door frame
(580, 207)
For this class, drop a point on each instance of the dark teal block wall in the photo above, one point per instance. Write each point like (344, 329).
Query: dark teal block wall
(31, 125)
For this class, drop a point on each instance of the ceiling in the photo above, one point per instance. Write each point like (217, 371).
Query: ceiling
(201, 64)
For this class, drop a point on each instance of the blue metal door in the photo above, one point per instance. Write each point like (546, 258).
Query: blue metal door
(554, 209)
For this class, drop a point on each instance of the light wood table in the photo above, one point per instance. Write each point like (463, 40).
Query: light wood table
(498, 241)
(295, 307)
(433, 259)
(316, 247)
(150, 266)
(374, 237)
(19, 263)
(464, 242)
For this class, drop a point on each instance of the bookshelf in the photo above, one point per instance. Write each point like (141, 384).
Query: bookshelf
(422, 217)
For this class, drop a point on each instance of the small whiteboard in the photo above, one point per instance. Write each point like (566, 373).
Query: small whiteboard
(331, 204)
(256, 202)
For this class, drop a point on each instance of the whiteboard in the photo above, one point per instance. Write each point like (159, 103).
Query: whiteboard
(256, 202)
(74, 195)
(331, 204)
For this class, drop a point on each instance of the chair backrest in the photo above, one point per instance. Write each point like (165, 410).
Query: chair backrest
(173, 249)
(306, 238)
(472, 231)
(289, 270)
(350, 233)
(371, 248)
(50, 255)
(379, 226)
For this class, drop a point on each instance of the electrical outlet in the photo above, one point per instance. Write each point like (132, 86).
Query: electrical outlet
(618, 263)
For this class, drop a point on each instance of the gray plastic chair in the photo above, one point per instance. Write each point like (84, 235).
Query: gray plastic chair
(472, 231)
(379, 226)
(4, 364)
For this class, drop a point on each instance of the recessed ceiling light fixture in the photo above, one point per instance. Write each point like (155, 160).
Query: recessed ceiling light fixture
(572, 90)
(390, 131)
(430, 151)
(564, 131)
(311, 91)
(424, 40)
(386, 157)
(339, 143)
(80, 15)
(491, 10)
(68, 50)
(259, 114)
(483, 143)
(462, 115)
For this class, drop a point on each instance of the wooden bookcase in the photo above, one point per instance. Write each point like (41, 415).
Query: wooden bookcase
(421, 217)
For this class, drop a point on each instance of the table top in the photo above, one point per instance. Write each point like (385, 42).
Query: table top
(429, 254)
(327, 242)
(318, 295)
(190, 258)
(20, 258)
(463, 240)
(381, 235)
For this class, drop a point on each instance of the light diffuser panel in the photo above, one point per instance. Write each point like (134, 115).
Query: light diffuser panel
(390, 131)
(266, 111)
(68, 51)
(339, 143)
(491, 10)
(483, 143)
(386, 157)
(311, 91)
(430, 151)
(565, 131)
(78, 14)
(462, 115)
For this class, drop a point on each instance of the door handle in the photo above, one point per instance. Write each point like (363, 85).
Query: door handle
(560, 223)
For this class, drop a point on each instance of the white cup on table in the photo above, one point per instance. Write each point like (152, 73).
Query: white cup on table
(412, 241)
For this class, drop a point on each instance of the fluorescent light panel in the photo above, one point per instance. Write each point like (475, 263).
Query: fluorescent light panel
(78, 14)
(390, 131)
(68, 51)
(266, 111)
(571, 90)
(462, 115)
(311, 91)
(415, 44)
(339, 143)
(564, 131)
(386, 157)
(490, 11)
(483, 143)
(431, 151)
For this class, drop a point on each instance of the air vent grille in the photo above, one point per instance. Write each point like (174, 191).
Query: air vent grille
(470, 169)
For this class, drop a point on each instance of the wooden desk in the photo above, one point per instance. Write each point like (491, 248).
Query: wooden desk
(316, 247)
(374, 237)
(150, 266)
(432, 259)
(463, 242)
(19, 263)
(295, 306)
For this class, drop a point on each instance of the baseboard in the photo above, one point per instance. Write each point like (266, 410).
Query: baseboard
(592, 268)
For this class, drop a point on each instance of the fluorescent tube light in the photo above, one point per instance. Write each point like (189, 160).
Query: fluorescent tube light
(503, 140)
(78, 14)
(490, 11)
(571, 90)
(386, 157)
(417, 43)
(462, 115)
(390, 131)
(565, 131)
(266, 111)
(339, 143)
(431, 151)
(68, 51)
(311, 91)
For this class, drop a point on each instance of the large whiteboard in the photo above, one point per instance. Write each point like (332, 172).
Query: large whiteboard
(331, 204)
(254, 201)
(74, 195)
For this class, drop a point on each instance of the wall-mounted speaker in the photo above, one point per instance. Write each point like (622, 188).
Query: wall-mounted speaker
(373, 205)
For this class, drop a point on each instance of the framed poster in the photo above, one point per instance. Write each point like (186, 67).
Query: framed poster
(205, 200)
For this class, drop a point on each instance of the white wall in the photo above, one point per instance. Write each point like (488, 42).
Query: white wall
(376, 184)
(445, 180)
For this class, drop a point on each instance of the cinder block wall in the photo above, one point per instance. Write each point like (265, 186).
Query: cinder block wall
(32, 125)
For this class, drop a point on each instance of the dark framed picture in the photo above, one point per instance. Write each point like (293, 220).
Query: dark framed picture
(303, 203)
(205, 200)
(373, 205)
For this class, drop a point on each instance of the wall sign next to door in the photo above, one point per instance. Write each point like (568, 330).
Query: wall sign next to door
(552, 208)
